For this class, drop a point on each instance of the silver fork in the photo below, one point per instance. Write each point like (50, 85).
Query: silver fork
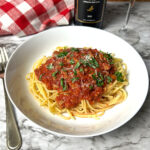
(13, 136)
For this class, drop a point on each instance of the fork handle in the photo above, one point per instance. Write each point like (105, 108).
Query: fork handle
(14, 140)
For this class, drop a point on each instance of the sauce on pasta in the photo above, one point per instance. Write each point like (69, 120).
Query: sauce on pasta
(78, 74)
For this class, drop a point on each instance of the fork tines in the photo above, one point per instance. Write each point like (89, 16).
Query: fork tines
(3, 58)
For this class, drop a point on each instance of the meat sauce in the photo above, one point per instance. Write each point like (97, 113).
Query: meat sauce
(77, 74)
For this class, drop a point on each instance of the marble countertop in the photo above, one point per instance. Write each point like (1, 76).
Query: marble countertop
(134, 135)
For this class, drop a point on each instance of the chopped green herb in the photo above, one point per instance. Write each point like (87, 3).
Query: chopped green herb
(119, 76)
(63, 84)
(54, 73)
(74, 79)
(100, 76)
(71, 61)
(108, 56)
(75, 72)
(99, 79)
(61, 64)
(40, 77)
(84, 62)
(74, 49)
(99, 82)
(109, 79)
(77, 65)
(94, 76)
(65, 87)
(62, 54)
(50, 66)
(93, 63)
(81, 70)
(91, 87)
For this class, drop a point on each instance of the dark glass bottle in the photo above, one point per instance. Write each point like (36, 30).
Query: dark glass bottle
(89, 12)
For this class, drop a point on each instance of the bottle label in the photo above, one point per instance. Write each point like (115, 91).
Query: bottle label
(89, 11)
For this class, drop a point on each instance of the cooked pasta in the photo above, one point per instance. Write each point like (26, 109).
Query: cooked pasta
(78, 82)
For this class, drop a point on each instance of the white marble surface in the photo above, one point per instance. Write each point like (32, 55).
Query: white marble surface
(133, 135)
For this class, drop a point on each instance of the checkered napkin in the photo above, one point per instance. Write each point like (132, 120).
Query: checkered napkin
(25, 17)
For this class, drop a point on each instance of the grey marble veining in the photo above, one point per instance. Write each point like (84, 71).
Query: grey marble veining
(133, 135)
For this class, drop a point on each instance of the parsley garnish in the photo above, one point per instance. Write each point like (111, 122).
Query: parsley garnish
(63, 84)
(62, 54)
(54, 73)
(91, 87)
(74, 79)
(74, 49)
(101, 76)
(99, 79)
(109, 58)
(81, 70)
(93, 63)
(84, 62)
(94, 76)
(75, 72)
(119, 76)
(40, 77)
(61, 64)
(109, 79)
(99, 82)
(77, 65)
(50, 66)
(71, 61)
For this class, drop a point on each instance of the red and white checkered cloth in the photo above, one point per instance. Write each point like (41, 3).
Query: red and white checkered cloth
(25, 17)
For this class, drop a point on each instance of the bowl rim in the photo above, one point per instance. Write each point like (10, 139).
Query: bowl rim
(65, 134)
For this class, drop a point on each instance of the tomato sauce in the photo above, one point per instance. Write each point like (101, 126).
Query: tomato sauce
(77, 74)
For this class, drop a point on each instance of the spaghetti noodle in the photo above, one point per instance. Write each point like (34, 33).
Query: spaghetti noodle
(78, 82)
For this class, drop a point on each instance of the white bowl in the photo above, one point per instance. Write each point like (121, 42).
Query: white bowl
(44, 43)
